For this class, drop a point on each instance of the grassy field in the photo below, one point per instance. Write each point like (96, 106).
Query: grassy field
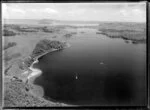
(23, 43)
(19, 51)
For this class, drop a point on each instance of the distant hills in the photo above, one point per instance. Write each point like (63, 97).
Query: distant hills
(52, 21)
(48, 21)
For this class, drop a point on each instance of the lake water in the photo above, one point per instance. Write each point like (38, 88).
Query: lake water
(95, 70)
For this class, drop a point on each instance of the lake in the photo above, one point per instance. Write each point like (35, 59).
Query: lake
(95, 70)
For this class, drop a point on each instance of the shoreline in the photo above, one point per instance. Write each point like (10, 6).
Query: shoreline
(133, 40)
(35, 72)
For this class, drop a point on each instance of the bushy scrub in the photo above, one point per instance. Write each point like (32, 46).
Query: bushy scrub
(10, 44)
(45, 45)
(8, 33)
(134, 35)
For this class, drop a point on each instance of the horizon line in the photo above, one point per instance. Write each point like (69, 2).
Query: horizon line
(72, 20)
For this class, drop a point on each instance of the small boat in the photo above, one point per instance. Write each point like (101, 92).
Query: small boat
(76, 76)
(101, 63)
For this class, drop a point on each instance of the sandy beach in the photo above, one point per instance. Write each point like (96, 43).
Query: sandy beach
(35, 72)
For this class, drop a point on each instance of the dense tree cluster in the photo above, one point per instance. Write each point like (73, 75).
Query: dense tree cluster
(45, 45)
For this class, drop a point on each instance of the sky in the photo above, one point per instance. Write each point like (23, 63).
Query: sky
(126, 12)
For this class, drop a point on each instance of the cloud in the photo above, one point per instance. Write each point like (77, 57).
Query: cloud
(50, 10)
(45, 10)
(137, 11)
(76, 11)
(132, 14)
(4, 7)
(124, 12)
(4, 11)
(9, 11)
(17, 10)
(33, 10)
